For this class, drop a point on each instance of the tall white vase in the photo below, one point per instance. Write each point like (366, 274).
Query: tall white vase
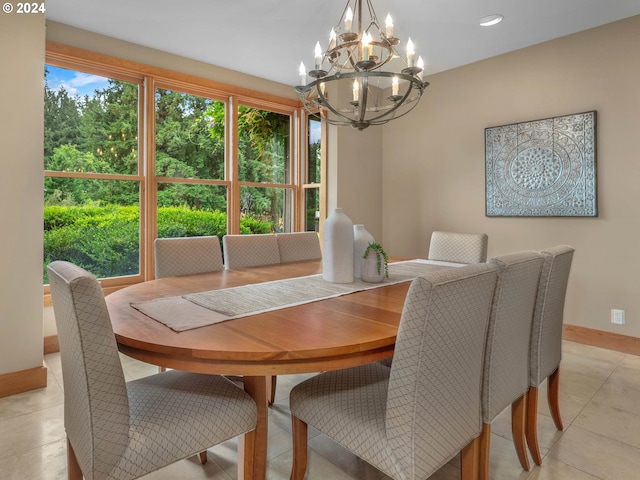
(361, 239)
(337, 248)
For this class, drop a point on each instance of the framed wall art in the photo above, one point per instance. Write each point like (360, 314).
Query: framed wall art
(542, 168)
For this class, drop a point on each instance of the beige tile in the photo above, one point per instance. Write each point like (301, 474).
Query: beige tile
(503, 461)
(617, 394)
(48, 462)
(611, 422)
(589, 351)
(597, 455)
(343, 459)
(553, 470)
(625, 376)
(32, 401)
(548, 434)
(31, 430)
(570, 405)
(190, 469)
(579, 385)
(318, 468)
(589, 366)
(631, 361)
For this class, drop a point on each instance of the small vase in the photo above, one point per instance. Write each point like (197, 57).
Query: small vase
(337, 248)
(361, 240)
(369, 268)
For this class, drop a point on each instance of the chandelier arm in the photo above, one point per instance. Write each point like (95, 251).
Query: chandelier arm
(362, 107)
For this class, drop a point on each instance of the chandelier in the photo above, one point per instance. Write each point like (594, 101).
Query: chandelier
(348, 85)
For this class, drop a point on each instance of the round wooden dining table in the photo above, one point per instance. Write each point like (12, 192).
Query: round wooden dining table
(327, 334)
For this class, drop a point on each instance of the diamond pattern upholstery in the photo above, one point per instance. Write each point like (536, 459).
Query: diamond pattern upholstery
(506, 361)
(506, 366)
(298, 246)
(458, 247)
(410, 419)
(546, 333)
(250, 250)
(187, 256)
(124, 430)
(546, 340)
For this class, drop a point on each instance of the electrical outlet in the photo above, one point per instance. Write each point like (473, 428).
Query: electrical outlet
(617, 316)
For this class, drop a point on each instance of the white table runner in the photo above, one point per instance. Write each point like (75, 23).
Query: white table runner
(201, 309)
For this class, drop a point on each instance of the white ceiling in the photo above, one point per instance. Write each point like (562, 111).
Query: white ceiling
(269, 38)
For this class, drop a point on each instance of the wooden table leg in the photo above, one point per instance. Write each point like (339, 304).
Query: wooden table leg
(257, 388)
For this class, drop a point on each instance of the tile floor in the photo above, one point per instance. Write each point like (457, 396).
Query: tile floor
(600, 403)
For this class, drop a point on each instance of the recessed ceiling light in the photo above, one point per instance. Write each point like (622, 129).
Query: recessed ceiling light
(490, 20)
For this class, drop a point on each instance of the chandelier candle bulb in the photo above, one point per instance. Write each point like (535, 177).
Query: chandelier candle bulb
(303, 74)
(366, 43)
(332, 39)
(318, 55)
(420, 65)
(394, 86)
(411, 53)
(348, 20)
(356, 90)
(389, 26)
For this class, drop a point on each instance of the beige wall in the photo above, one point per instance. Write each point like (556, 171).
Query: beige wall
(21, 184)
(433, 167)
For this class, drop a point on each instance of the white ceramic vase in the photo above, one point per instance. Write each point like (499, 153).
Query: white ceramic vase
(338, 248)
(369, 268)
(361, 239)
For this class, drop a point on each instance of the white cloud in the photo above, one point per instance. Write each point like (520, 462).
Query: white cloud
(81, 84)
(83, 79)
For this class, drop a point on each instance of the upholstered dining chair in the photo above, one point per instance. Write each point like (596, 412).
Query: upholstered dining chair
(412, 418)
(458, 247)
(242, 251)
(506, 362)
(250, 250)
(187, 256)
(546, 340)
(117, 430)
(298, 246)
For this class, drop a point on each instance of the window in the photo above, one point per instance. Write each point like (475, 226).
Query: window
(313, 176)
(92, 186)
(132, 154)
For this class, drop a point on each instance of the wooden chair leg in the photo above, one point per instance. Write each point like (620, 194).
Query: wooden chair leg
(203, 457)
(246, 455)
(531, 428)
(299, 436)
(73, 467)
(485, 447)
(553, 396)
(469, 460)
(272, 393)
(518, 428)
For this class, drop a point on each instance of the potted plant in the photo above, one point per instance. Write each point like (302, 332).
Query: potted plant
(374, 264)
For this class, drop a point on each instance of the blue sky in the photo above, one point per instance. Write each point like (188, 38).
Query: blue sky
(75, 83)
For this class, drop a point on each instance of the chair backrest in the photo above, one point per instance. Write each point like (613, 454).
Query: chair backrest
(546, 332)
(298, 246)
(506, 364)
(458, 247)
(433, 400)
(187, 256)
(96, 408)
(250, 250)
